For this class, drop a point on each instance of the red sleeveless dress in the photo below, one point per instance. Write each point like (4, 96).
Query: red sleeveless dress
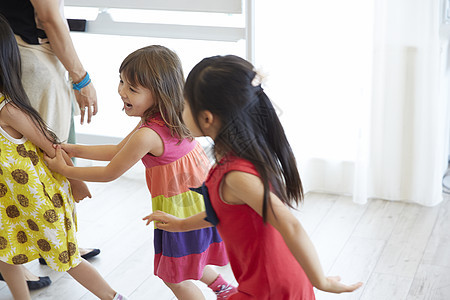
(261, 262)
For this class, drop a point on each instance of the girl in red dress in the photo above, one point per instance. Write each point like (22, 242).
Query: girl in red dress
(250, 189)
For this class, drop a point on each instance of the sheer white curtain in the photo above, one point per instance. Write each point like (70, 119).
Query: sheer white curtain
(359, 88)
(405, 153)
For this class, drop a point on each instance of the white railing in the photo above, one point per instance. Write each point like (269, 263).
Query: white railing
(105, 24)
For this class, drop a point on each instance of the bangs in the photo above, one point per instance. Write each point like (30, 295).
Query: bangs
(138, 73)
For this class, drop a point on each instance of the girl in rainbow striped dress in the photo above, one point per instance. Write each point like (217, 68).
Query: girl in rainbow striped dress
(151, 87)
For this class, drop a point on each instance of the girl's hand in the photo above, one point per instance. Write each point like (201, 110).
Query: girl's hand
(333, 284)
(80, 190)
(68, 148)
(56, 164)
(165, 221)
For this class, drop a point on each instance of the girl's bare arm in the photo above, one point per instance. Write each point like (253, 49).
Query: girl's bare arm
(171, 223)
(20, 123)
(141, 142)
(240, 188)
(97, 152)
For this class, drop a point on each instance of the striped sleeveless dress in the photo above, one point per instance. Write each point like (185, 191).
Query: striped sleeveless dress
(180, 256)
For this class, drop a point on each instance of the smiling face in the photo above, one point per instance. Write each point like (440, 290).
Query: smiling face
(136, 99)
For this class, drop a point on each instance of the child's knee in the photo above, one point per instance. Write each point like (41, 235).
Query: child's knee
(178, 286)
(174, 285)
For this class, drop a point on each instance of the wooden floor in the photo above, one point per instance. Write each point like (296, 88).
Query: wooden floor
(400, 251)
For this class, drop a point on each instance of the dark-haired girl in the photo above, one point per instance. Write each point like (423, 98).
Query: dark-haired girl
(37, 217)
(250, 189)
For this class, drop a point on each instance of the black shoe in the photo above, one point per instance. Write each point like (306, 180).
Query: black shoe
(90, 254)
(35, 284)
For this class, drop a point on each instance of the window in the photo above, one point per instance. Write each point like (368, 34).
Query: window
(194, 30)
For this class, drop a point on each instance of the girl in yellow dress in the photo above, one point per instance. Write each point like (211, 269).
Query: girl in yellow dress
(37, 216)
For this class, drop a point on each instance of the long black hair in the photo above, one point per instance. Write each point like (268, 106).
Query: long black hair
(226, 86)
(10, 78)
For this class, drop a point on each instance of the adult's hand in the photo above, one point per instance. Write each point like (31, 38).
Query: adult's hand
(57, 31)
(87, 101)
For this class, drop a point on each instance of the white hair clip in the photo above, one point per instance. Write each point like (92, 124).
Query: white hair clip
(260, 78)
(257, 80)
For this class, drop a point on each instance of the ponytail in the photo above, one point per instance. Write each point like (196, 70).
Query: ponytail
(229, 87)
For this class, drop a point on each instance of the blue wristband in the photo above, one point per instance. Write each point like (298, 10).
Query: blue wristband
(83, 83)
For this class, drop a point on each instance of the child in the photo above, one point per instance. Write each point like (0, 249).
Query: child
(151, 87)
(252, 185)
(37, 216)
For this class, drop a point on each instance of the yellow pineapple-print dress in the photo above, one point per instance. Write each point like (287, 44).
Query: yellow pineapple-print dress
(37, 209)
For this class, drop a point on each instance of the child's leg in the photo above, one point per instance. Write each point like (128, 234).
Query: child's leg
(185, 290)
(216, 283)
(88, 277)
(15, 279)
(209, 275)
